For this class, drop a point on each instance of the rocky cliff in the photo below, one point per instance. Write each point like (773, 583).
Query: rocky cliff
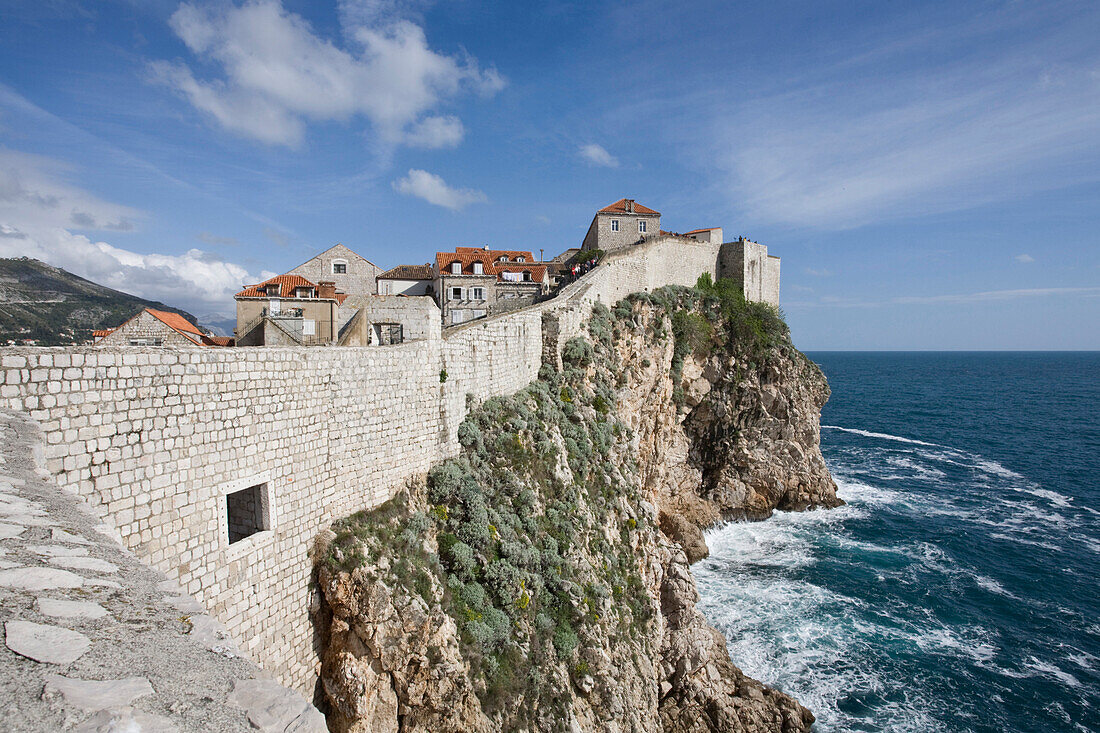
(540, 581)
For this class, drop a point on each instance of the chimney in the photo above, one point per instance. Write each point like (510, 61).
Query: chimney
(630, 206)
(326, 290)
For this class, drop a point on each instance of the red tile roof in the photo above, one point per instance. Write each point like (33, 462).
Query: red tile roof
(467, 256)
(101, 333)
(287, 284)
(496, 254)
(219, 340)
(700, 231)
(619, 207)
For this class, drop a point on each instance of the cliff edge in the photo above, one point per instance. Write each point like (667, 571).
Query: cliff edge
(540, 581)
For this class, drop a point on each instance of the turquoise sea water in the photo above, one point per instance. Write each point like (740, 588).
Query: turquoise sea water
(957, 591)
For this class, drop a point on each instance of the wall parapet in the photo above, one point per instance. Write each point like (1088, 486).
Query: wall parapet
(151, 436)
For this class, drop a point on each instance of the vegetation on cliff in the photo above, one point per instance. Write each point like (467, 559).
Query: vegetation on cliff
(540, 544)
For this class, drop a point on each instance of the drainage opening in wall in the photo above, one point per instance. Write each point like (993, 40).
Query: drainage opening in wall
(247, 512)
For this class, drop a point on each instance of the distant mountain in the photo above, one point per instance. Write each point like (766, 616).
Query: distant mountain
(53, 307)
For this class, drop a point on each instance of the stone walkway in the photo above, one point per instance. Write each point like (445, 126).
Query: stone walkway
(96, 641)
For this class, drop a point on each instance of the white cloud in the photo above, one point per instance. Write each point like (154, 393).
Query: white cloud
(36, 206)
(866, 142)
(435, 132)
(435, 190)
(1025, 258)
(988, 295)
(598, 155)
(278, 75)
(823, 272)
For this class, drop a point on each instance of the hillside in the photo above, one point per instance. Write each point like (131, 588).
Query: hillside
(53, 307)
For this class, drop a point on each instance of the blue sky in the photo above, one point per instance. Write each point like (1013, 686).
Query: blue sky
(929, 172)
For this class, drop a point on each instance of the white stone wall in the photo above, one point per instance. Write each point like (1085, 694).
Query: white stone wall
(154, 438)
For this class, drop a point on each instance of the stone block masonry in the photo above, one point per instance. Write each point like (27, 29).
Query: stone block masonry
(156, 439)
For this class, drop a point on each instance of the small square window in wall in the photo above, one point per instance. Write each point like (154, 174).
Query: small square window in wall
(339, 268)
(614, 225)
(248, 511)
(641, 225)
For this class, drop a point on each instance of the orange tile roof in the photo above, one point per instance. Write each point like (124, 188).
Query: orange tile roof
(619, 207)
(219, 340)
(287, 284)
(467, 256)
(101, 333)
(700, 231)
(179, 324)
(496, 254)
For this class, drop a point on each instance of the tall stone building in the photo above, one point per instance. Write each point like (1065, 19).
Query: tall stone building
(620, 225)
(351, 273)
(474, 282)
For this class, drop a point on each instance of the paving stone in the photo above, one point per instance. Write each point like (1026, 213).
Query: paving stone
(271, 707)
(58, 550)
(84, 563)
(35, 579)
(43, 643)
(98, 694)
(9, 531)
(70, 609)
(60, 535)
(126, 720)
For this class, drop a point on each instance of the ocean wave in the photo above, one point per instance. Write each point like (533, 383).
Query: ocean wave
(1052, 670)
(882, 436)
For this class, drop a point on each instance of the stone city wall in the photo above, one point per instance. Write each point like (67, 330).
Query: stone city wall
(155, 438)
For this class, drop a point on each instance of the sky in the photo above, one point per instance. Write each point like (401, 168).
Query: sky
(929, 172)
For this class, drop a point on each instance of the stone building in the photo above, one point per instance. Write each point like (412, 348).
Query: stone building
(749, 263)
(407, 280)
(348, 271)
(620, 225)
(288, 310)
(157, 328)
(474, 282)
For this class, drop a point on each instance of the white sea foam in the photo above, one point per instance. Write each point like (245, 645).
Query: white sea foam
(882, 436)
(1051, 670)
(1053, 497)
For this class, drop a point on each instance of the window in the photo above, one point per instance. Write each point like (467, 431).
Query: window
(479, 269)
(641, 226)
(456, 268)
(388, 333)
(273, 289)
(477, 293)
(456, 294)
(247, 512)
(502, 258)
(521, 258)
(309, 328)
(146, 342)
(339, 267)
(458, 316)
(526, 276)
(614, 225)
(477, 314)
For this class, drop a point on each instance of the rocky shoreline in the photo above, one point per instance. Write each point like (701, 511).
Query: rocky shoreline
(541, 581)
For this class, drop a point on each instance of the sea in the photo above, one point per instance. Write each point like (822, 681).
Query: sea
(958, 588)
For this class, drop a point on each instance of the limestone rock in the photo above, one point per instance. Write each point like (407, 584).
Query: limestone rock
(97, 694)
(43, 643)
(70, 609)
(272, 708)
(36, 579)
